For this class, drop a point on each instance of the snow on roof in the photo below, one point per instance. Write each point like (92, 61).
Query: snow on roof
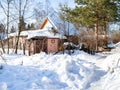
(56, 22)
(59, 24)
(52, 23)
(45, 33)
(40, 32)
(23, 33)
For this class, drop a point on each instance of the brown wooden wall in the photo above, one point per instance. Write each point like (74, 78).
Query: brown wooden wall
(52, 45)
(48, 45)
(37, 45)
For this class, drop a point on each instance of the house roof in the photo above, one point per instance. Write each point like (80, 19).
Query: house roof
(45, 33)
(54, 21)
(40, 32)
(22, 34)
(48, 24)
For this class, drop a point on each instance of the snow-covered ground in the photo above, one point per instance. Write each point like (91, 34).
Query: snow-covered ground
(80, 71)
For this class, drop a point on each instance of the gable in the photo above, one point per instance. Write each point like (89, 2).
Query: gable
(44, 23)
(47, 24)
(55, 22)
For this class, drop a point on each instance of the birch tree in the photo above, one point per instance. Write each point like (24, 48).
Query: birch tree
(2, 31)
(5, 5)
(21, 7)
(42, 10)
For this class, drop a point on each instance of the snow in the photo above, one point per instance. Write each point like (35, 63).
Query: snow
(66, 26)
(40, 32)
(54, 21)
(117, 44)
(80, 71)
(45, 33)
(110, 44)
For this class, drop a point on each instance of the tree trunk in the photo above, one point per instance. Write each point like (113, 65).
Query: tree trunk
(8, 24)
(97, 35)
(20, 16)
(105, 29)
(69, 52)
(16, 47)
(97, 19)
(24, 45)
(2, 46)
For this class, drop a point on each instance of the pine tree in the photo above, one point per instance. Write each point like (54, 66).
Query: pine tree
(32, 26)
(28, 27)
(12, 29)
(93, 13)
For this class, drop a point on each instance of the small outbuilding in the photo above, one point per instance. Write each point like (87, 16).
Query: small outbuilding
(44, 40)
(48, 45)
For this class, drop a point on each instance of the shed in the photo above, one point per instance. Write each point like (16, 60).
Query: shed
(48, 45)
(44, 40)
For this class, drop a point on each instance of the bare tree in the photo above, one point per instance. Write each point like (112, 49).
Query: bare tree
(87, 38)
(21, 6)
(15, 11)
(43, 10)
(62, 16)
(115, 36)
(2, 32)
(7, 13)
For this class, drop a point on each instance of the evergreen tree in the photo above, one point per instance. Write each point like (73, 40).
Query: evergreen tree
(28, 27)
(93, 13)
(32, 26)
(12, 29)
(118, 6)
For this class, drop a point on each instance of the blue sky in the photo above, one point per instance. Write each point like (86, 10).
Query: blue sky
(54, 4)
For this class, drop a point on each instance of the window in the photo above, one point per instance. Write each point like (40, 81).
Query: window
(52, 41)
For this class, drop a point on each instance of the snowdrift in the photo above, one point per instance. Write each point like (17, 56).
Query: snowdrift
(46, 72)
(80, 71)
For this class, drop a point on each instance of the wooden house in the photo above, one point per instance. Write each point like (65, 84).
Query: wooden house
(23, 41)
(47, 38)
(48, 45)
(44, 40)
